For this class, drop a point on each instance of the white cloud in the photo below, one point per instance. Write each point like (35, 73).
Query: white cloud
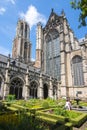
(32, 59)
(2, 10)
(32, 16)
(4, 51)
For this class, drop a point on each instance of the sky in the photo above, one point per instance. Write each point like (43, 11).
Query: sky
(33, 11)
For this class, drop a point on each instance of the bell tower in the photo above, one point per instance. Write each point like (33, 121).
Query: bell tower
(21, 43)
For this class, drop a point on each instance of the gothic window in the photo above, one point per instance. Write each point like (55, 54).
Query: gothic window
(16, 88)
(77, 71)
(25, 45)
(33, 89)
(26, 31)
(57, 67)
(53, 54)
(25, 50)
(21, 29)
(21, 47)
(0, 83)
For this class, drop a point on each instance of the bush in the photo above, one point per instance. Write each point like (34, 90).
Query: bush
(19, 122)
(2, 107)
(10, 98)
(60, 111)
(45, 104)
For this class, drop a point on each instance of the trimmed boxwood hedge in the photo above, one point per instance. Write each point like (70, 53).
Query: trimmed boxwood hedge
(77, 122)
(68, 121)
(53, 117)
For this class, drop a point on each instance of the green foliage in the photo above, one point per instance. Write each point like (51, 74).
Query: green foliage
(20, 122)
(2, 107)
(34, 120)
(10, 98)
(82, 6)
(51, 102)
(79, 120)
(83, 104)
(60, 111)
(45, 104)
(66, 113)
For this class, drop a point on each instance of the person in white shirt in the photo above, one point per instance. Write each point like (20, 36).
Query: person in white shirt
(68, 105)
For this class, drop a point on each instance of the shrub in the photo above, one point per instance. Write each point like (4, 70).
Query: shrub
(10, 98)
(60, 111)
(2, 107)
(20, 122)
(45, 104)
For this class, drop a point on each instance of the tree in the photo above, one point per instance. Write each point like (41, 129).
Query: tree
(82, 6)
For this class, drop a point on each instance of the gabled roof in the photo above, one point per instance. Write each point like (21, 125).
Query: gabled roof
(53, 17)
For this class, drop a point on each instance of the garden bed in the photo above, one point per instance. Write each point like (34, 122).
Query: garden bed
(72, 118)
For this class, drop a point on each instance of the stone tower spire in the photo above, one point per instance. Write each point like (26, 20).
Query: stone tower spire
(21, 44)
(39, 43)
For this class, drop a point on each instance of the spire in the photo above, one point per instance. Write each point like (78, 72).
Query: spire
(52, 10)
(63, 13)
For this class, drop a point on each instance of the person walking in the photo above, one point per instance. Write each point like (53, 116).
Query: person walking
(68, 105)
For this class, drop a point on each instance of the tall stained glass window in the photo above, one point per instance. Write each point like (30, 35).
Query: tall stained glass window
(53, 54)
(77, 71)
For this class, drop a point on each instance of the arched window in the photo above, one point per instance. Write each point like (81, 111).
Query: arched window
(21, 29)
(26, 31)
(33, 89)
(16, 87)
(53, 54)
(25, 51)
(77, 69)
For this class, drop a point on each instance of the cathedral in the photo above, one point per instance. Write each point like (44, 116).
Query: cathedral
(60, 67)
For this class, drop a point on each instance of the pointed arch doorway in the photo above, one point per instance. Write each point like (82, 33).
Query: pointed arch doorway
(16, 87)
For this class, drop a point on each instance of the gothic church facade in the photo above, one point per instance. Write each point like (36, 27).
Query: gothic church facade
(60, 68)
(61, 55)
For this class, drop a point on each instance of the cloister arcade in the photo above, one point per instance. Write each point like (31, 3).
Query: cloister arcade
(26, 82)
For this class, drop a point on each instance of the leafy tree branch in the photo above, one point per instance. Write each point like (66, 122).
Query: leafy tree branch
(82, 6)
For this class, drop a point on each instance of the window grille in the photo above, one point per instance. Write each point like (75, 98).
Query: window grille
(77, 71)
(53, 54)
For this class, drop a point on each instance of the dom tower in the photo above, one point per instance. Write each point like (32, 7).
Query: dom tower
(21, 44)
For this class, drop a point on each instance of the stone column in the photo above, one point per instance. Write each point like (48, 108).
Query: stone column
(63, 63)
(84, 62)
(40, 89)
(51, 89)
(7, 79)
(26, 85)
(59, 89)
